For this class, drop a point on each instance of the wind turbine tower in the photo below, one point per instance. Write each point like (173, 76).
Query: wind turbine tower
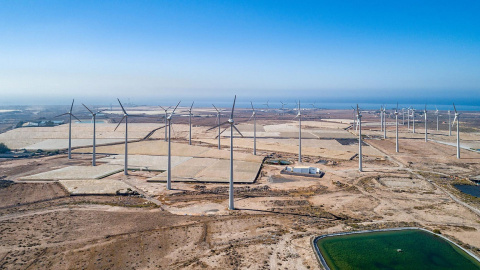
(449, 124)
(426, 132)
(218, 122)
(436, 113)
(458, 130)
(359, 117)
(396, 129)
(413, 119)
(384, 123)
(381, 118)
(299, 115)
(169, 168)
(70, 114)
(125, 116)
(166, 116)
(190, 124)
(254, 129)
(94, 115)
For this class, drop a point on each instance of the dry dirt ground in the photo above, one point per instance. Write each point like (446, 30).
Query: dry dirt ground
(190, 227)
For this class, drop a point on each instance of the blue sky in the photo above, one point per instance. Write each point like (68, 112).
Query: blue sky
(53, 51)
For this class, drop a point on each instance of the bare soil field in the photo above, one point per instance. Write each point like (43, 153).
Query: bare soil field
(190, 227)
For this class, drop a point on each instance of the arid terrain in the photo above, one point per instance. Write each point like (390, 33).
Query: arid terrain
(45, 226)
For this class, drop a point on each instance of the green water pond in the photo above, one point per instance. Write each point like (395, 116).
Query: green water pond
(401, 249)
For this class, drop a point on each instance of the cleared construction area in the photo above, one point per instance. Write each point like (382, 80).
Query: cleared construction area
(94, 187)
(76, 173)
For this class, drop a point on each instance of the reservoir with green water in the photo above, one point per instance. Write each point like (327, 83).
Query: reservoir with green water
(395, 249)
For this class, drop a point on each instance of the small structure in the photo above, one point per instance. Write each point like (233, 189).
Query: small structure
(303, 171)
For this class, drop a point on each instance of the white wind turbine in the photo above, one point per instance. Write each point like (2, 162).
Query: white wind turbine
(266, 104)
(426, 131)
(384, 123)
(408, 118)
(436, 113)
(381, 118)
(354, 126)
(458, 129)
(396, 129)
(166, 116)
(359, 117)
(125, 116)
(299, 115)
(169, 168)
(94, 116)
(413, 119)
(70, 114)
(218, 123)
(190, 123)
(449, 124)
(231, 122)
(254, 116)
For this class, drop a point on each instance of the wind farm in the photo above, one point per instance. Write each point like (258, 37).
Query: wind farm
(239, 135)
(190, 176)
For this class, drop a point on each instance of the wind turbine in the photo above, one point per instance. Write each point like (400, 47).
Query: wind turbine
(218, 122)
(449, 126)
(359, 117)
(436, 113)
(254, 129)
(267, 104)
(384, 123)
(396, 129)
(408, 118)
(413, 119)
(458, 130)
(125, 116)
(190, 123)
(354, 119)
(94, 115)
(403, 116)
(231, 122)
(426, 132)
(169, 168)
(299, 115)
(381, 118)
(166, 116)
(283, 105)
(70, 114)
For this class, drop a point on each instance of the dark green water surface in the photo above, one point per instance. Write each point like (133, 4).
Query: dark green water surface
(379, 250)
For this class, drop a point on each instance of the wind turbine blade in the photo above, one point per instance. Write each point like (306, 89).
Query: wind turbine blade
(216, 108)
(250, 118)
(233, 107)
(175, 108)
(237, 130)
(226, 122)
(123, 109)
(71, 107)
(191, 106)
(252, 106)
(119, 123)
(87, 108)
(162, 108)
(62, 114)
(454, 108)
(76, 118)
(222, 131)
